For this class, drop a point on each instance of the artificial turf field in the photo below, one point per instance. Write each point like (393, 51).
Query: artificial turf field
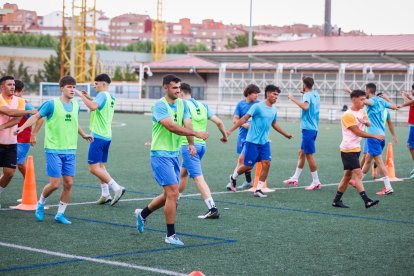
(292, 232)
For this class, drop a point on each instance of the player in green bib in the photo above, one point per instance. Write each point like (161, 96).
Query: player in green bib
(170, 121)
(102, 111)
(200, 115)
(61, 142)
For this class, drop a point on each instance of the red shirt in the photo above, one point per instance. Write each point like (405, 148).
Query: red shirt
(411, 115)
(24, 137)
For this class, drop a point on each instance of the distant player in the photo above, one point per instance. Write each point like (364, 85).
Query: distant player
(408, 101)
(200, 115)
(170, 120)
(250, 93)
(353, 122)
(309, 124)
(375, 106)
(257, 146)
(102, 112)
(61, 141)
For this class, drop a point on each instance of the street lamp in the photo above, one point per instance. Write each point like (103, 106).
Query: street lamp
(141, 74)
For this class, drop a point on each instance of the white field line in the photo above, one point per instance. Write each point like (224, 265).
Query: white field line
(198, 194)
(93, 260)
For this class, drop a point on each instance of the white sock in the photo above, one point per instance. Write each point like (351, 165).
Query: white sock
(260, 185)
(297, 173)
(42, 199)
(1, 189)
(105, 190)
(114, 186)
(62, 207)
(387, 183)
(235, 175)
(315, 177)
(210, 203)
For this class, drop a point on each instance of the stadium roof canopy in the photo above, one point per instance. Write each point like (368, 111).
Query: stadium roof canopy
(335, 49)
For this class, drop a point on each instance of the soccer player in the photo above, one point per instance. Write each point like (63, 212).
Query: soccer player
(257, 146)
(375, 106)
(11, 109)
(408, 101)
(353, 122)
(61, 140)
(102, 112)
(309, 124)
(200, 114)
(250, 93)
(170, 120)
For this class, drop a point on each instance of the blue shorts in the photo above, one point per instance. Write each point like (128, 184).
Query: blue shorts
(375, 146)
(60, 164)
(22, 151)
(254, 153)
(410, 142)
(240, 144)
(166, 170)
(193, 164)
(98, 151)
(308, 141)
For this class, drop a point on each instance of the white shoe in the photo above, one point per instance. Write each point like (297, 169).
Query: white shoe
(314, 186)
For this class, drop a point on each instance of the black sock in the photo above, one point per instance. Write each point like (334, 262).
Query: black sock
(145, 212)
(364, 196)
(170, 230)
(338, 196)
(248, 176)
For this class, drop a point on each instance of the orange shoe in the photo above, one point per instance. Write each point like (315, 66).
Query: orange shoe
(384, 191)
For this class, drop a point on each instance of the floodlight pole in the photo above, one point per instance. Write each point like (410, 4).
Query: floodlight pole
(250, 34)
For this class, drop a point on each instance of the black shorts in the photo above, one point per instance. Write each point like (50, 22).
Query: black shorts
(350, 160)
(8, 156)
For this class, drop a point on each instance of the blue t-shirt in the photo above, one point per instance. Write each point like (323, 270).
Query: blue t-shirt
(46, 110)
(263, 117)
(100, 99)
(375, 114)
(28, 106)
(241, 109)
(310, 117)
(160, 112)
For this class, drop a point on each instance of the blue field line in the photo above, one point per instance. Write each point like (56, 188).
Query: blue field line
(315, 212)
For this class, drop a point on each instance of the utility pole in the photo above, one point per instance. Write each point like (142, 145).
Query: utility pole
(327, 26)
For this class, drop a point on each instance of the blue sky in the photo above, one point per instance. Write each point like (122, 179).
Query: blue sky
(370, 16)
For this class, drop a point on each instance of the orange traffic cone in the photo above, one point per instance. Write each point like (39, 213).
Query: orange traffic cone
(256, 180)
(29, 196)
(196, 273)
(389, 163)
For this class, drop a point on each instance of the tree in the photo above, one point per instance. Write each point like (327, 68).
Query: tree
(143, 47)
(118, 74)
(129, 75)
(240, 41)
(199, 47)
(102, 47)
(27, 40)
(177, 48)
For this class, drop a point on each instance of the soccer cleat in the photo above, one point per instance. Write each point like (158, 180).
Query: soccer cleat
(173, 240)
(339, 204)
(371, 203)
(213, 213)
(232, 184)
(60, 218)
(246, 185)
(103, 200)
(352, 183)
(291, 181)
(314, 186)
(228, 186)
(40, 211)
(259, 193)
(411, 176)
(140, 221)
(412, 172)
(117, 196)
(384, 191)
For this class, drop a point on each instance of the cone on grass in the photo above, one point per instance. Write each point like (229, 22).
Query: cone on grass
(196, 273)
(389, 163)
(29, 196)
(265, 189)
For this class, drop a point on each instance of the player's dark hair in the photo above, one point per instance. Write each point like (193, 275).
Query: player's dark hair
(250, 89)
(371, 87)
(19, 85)
(271, 88)
(103, 77)
(170, 78)
(357, 93)
(308, 82)
(67, 80)
(186, 88)
(5, 78)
